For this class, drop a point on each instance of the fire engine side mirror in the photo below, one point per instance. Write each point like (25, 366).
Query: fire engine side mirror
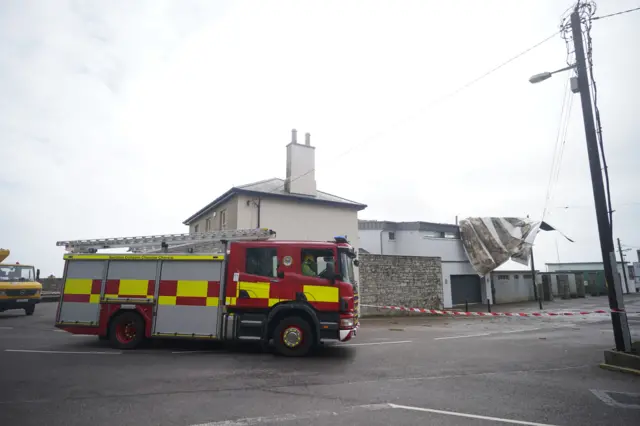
(37, 274)
(356, 263)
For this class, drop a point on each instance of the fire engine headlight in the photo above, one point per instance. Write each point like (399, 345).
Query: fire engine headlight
(346, 322)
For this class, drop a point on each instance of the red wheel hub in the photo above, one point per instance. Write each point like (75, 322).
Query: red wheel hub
(292, 336)
(126, 332)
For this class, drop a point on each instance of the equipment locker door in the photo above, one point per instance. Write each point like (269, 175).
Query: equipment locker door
(188, 298)
(80, 302)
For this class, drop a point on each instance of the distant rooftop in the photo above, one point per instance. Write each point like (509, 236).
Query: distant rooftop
(275, 187)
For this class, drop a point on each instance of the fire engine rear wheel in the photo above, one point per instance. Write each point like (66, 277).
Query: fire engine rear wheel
(29, 310)
(126, 331)
(293, 337)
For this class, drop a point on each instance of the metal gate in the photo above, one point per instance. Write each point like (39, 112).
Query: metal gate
(466, 288)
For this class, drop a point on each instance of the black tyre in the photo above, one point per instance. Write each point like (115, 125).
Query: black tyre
(126, 331)
(29, 310)
(293, 337)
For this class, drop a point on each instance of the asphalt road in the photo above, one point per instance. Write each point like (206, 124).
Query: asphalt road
(403, 371)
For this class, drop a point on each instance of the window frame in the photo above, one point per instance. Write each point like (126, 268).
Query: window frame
(223, 219)
(273, 263)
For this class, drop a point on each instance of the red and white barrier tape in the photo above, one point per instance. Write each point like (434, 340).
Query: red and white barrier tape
(497, 314)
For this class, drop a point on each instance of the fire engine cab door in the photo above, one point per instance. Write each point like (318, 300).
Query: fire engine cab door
(188, 298)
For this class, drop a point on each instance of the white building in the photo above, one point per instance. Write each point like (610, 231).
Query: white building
(513, 286)
(460, 282)
(634, 285)
(293, 207)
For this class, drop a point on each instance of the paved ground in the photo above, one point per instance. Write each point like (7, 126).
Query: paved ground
(399, 371)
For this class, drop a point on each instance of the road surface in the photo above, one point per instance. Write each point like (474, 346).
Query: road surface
(398, 371)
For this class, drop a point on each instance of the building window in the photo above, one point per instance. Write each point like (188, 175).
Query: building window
(207, 225)
(196, 228)
(318, 263)
(433, 234)
(392, 236)
(451, 235)
(527, 276)
(516, 276)
(262, 261)
(503, 277)
(223, 219)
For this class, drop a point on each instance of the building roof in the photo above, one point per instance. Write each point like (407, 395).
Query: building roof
(387, 225)
(579, 263)
(275, 188)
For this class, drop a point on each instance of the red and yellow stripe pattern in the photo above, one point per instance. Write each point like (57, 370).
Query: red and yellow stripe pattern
(265, 294)
(82, 290)
(129, 289)
(188, 293)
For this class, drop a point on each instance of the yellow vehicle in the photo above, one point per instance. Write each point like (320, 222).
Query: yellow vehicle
(19, 288)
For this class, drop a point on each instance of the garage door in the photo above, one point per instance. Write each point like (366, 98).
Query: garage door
(465, 288)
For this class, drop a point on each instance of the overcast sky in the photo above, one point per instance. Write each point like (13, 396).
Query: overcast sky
(125, 117)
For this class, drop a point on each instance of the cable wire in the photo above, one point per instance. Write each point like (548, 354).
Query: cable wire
(433, 104)
(556, 150)
(616, 14)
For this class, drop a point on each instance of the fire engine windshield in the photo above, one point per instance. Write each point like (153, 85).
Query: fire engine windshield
(16, 273)
(346, 266)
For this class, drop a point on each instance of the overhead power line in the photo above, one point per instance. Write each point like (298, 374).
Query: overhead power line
(635, 9)
(436, 102)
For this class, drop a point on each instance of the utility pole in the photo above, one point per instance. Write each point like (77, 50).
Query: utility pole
(618, 319)
(533, 277)
(624, 267)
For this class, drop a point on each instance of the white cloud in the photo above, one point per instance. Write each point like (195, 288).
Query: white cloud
(124, 118)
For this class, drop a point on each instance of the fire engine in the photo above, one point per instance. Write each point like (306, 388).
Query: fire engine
(256, 289)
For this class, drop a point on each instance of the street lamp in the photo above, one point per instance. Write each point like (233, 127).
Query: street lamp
(614, 288)
(546, 75)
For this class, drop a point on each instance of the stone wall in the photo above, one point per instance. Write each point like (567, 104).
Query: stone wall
(51, 284)
(414, 281)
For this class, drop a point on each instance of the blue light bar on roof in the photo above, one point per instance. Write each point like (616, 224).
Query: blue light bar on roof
(341, 239)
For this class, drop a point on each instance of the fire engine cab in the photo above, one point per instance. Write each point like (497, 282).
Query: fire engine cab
(296, 293)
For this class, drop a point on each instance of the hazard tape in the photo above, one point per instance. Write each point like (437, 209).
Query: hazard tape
(498, 314)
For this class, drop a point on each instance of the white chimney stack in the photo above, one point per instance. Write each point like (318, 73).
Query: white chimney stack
(301, 164)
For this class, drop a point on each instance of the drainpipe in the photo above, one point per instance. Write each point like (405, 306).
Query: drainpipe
(381, 232)
(259, 202)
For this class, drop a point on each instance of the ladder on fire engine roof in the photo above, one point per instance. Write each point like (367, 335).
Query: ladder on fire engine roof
(151, 243)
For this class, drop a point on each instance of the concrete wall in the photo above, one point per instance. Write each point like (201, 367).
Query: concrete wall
(412, 243)
(295, 220)
(231, 209)
(414, 281)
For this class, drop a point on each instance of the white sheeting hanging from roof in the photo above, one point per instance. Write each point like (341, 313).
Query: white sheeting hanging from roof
(491, 241)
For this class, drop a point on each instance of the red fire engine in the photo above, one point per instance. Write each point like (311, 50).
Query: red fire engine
(296, 293)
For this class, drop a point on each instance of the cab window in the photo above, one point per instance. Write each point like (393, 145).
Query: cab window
(318, 263)
(262, 261)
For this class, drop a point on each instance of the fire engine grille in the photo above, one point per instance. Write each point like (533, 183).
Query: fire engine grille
(21, 292)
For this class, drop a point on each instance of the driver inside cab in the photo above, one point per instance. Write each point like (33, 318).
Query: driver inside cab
(309, 266)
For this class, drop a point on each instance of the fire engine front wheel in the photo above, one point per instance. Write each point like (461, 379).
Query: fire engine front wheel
(126, 331)
(293, 337)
